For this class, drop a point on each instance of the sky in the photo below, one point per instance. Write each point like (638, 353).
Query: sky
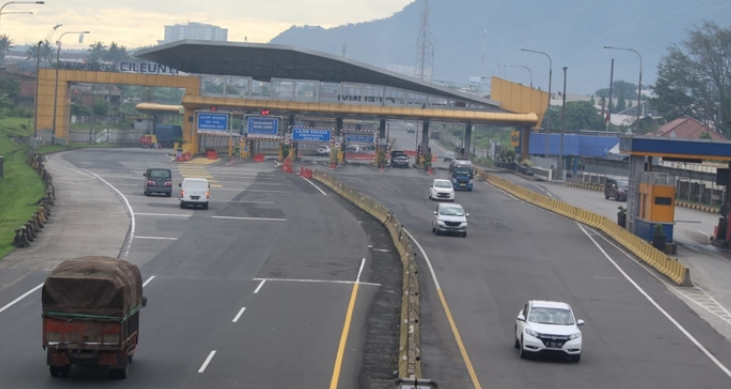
(135, 23)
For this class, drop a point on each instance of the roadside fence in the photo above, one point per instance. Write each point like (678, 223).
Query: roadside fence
(28, 232)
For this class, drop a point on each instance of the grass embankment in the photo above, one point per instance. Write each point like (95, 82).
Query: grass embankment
(21, 186)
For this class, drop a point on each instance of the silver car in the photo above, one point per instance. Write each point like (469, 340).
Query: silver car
(451, 219)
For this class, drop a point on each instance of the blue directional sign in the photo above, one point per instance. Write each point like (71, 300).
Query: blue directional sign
(311, 134)
(350, 138)
(212, 121)
(262, 125)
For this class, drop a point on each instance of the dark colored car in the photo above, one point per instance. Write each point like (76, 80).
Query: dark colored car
(616, 189)
(158, 180)
(400, 160)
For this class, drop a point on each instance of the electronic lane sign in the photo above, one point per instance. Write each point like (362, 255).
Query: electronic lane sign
(256, 125)
(359, 138)
(311, 134)
(212, 121)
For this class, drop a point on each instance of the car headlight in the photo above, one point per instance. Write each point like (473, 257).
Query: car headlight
(464, 224)
(531, 332)
(575, 336)
(440, 222)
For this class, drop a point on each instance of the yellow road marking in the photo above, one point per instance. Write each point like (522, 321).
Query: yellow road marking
(462, 349)
(344, 339)
(216, 186)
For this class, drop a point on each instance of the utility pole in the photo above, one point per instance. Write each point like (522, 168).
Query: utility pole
(422, 43)
(611, 85)
(38, 83)
(562, 174)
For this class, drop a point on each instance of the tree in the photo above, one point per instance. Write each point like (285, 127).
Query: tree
(5, 44)
(48, 52)
(115, 53)
(694, 78)
(621, 103)
(10, 88)
(580, 116)
(96, 53)
(592, 101)
(618, 87)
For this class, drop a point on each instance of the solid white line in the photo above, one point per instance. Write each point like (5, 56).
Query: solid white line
(207, 361)
(263, 219)
(360, 271)
(313, 184)
(657, 306)
(163, 214)
(426, 258)
(131, 216)
(241, 312)
(260, 285)
(315, 281)
(154, 238)
(69, 168)
(26, 294)
(148, 281)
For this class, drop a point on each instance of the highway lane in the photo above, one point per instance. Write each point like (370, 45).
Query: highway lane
(206, 291)
(516, 252)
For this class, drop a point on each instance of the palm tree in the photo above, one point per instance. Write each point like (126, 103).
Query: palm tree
(5, 44)
(116, 53)
(48, 52)
(96, 53)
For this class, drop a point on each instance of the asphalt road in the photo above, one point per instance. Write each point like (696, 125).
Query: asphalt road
(253, 292)
(514, 253)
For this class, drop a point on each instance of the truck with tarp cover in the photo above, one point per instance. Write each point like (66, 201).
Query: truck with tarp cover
(91, 315)
(461, 173)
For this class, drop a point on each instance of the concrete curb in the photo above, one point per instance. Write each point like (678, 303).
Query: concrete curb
(697, 207)
(594, 187)
(669, 267)
(409, 365)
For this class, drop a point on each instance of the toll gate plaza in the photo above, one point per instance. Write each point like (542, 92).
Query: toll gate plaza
(270, 86)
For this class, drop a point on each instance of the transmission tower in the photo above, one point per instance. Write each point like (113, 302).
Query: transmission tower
(423, 45)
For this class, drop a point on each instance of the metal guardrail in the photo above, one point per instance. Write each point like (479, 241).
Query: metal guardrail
(409, 365)
(543, 173)
(30, 230)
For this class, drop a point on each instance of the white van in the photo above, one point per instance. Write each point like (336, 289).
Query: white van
(194, 191)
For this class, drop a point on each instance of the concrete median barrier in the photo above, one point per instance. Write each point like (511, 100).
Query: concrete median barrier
(30, 230)
(670, 267)
(409, 365)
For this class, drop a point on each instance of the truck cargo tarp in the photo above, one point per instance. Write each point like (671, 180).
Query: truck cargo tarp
(94, 286)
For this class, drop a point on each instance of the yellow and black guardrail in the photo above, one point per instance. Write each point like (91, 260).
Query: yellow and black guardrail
(30, 230)
(669, 267)
(594, 187)
(409, 338)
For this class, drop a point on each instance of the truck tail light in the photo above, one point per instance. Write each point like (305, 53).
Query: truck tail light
(208, 195)
(151, 183)
(182, 193)
(168, 184)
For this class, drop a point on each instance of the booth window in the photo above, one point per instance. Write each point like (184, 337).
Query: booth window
(663, 201)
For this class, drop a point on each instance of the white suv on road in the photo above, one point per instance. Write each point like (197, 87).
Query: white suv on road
(194, 191)
(548, 327)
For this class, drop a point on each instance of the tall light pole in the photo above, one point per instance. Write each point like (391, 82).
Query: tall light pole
(526, 68)
(58, 65)
(639, 86)
(19, 2)
(562, 174)
(550, 77)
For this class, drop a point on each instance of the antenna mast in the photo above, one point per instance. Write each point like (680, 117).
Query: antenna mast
(423, 46)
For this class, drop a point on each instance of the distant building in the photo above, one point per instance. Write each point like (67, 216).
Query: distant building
(687, 128)
(196, 31)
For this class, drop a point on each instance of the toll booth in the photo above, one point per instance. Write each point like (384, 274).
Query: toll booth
(657, 205)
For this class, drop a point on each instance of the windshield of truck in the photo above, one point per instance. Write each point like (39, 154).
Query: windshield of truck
(159, 173)
(463, 171)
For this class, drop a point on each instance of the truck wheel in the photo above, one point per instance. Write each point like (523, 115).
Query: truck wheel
(55, 371)
(65, 371)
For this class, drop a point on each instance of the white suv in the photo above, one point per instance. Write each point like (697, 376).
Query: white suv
(548, 327)
(194, 191)
(450, 218)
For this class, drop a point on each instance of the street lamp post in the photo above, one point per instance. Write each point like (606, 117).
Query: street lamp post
(550, 77)
(58, 65)
(562, 174)
(19, 2)
(526, 68)
(639, 86)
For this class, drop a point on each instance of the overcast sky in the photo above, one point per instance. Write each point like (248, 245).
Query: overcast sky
(136, 23)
